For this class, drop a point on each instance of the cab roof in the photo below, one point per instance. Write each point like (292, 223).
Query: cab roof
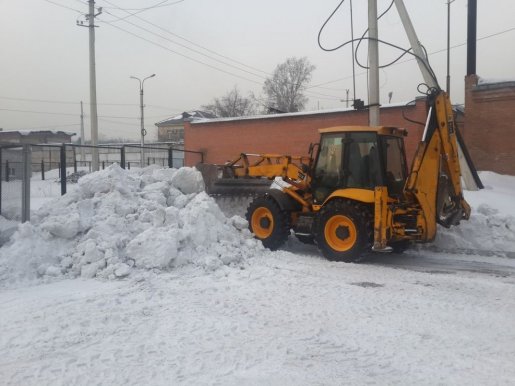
(380, 130)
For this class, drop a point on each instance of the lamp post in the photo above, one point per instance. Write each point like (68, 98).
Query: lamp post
(142, 142)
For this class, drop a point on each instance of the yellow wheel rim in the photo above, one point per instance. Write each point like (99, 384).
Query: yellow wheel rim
(340, 233)
(262, 222)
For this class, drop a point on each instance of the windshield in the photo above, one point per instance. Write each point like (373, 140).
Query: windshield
(346, 160)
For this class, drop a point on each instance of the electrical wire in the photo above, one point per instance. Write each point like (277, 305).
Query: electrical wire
(63, 6)
(191, 42)
(51, 126)
(158, 5)
(424, 61)
(74, 115)
(64, 102)
(312, 93)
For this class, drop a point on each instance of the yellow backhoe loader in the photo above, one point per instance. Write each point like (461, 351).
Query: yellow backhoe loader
(354, 192)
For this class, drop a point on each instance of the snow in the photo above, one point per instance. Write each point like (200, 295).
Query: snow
(115, 219)
(183, 295)
(487, 81)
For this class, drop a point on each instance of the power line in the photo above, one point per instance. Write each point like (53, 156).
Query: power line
(64, 102)
(87, 103)
(313, 94)
(412, 59)
(188, 48)
(178, 53)
(158, 5)
(51, 126)
(195, 44)
(63, 6)
(74, 115)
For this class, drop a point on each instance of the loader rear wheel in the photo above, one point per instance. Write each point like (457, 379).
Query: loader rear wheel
(343, 230)
(268, 222)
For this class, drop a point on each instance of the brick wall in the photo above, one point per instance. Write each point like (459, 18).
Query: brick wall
(222, 140)
(490, 124)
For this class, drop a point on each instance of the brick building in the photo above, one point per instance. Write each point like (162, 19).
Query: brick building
(490, 123)
(223, 139)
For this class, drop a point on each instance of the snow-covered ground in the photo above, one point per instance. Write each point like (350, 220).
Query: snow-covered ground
(183, 295)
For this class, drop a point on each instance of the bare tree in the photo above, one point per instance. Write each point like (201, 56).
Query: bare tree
(232, 104)
(284, 90)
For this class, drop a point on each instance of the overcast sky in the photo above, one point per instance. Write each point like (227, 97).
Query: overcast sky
(200, 49)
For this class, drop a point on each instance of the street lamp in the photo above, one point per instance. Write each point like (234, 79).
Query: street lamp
(143, 133)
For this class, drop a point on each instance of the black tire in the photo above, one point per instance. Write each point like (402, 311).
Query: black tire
(400, 246)
(343, 230)
(305, 239)
(268, 222)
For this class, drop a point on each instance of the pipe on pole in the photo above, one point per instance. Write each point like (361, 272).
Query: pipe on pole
(471, 37)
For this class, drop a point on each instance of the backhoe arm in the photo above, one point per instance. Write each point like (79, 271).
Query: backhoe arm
(435, 178)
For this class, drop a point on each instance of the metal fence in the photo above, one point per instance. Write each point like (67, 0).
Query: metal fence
(26, 170)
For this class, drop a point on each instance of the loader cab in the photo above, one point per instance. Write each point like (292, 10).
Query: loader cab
(359, 157)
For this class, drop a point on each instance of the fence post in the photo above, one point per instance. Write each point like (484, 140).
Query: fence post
(103, 165)
(25, 185)
(170, 157)
(7, 170)
(62, 169)
(148, 161)
(122, 157)
(74, 160)
(129, 165)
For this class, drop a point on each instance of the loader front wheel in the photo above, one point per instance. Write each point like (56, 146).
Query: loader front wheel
(342, 232)
(268, 222)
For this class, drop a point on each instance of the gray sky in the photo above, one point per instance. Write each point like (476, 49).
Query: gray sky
(44, 71)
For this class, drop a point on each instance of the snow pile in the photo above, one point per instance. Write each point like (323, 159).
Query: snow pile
(491, 226)
(116, 220)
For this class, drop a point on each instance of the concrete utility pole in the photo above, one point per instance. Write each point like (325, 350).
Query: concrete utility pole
(93, 85)
(466, 171)
(143, 131)
(449, 2)
(416, 46)
(81, 132)
(373, 55)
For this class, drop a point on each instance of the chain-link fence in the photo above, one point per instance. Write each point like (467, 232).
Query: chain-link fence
(11, 176)
(32, 174)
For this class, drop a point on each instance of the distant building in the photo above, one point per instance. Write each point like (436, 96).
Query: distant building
(36, 137)
(11, 157)
(172, 129)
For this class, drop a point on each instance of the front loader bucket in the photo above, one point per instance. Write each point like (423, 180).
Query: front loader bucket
(218, 184)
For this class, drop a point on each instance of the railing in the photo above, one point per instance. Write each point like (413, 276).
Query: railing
(20, 163)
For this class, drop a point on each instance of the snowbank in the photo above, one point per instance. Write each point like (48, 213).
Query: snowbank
(117, 220)
(491, 227)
